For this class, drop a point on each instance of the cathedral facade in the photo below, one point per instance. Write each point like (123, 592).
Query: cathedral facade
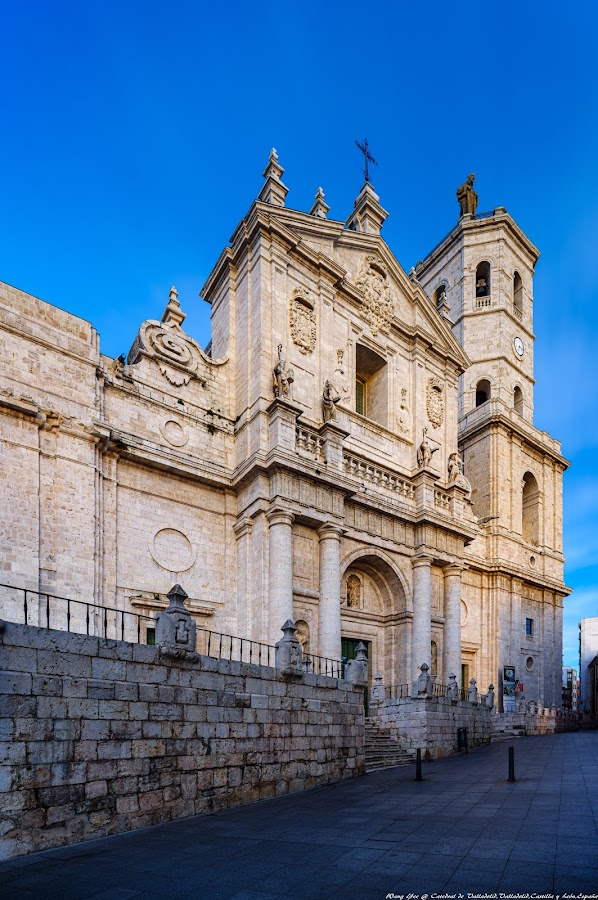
(354, 450)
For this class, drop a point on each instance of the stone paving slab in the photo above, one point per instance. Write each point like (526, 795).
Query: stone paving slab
(464, 829)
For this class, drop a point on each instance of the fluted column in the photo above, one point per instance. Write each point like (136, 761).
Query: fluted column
(330, 591)
(421, 629)
(452, 622)
(280, 586)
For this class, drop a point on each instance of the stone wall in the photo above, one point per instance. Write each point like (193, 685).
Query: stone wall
(101, 736)
(431, 723)
(537, 721)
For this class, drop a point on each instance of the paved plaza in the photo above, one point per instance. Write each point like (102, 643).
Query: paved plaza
(464, 829)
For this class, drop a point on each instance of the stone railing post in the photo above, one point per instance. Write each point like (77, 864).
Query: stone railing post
(453, 688)
(378, 690)
(175, 628)
(288, 656)
(490, 697)
(424, 684)
(472, 691)
(356, 670)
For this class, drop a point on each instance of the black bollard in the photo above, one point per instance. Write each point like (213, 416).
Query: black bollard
(418, 765)
(511, 764)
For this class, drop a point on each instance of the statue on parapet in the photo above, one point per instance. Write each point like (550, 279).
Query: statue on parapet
(282, 376)
(455, 473)
(425, 452)
(467, 197)
(329, 400)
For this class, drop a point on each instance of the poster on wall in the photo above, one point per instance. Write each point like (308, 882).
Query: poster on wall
(509, 686)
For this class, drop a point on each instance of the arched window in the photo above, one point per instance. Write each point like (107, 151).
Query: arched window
(482, 280)
(518, 401)
(517, 294)
(530, 510)
(482, 391)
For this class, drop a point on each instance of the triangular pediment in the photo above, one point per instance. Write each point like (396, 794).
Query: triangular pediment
(372, 279)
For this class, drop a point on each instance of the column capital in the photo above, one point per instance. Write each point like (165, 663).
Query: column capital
(454, 569)
(421, 560)
(329, 531)
(243, 526)
(278, 516)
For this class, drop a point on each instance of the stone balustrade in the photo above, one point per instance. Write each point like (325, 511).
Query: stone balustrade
(378, 476)
(309, 443)
(442, 501)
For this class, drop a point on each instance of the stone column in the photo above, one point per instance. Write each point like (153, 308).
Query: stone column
(330, 591)
(421, 629)
(280, 587)
(452, 622)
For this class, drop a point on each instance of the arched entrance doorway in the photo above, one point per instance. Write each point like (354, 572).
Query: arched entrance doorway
(374, 610)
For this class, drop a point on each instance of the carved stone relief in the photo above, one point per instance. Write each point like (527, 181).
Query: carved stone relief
(435, 401)
(354, 598)
(303, 320)
(177, 355)
(404, 416)
(377, 305)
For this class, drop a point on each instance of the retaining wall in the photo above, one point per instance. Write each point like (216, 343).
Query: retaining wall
(100, 736)
(431, 723)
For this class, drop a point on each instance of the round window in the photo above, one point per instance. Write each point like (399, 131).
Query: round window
(532, 561)
(529, 663)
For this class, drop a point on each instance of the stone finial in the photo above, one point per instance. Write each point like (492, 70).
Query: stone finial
(490, 697)
(288, 655)
(472, 691)
(173, 314)
(453, 688)
(356, 670)
(273, 191)
(424, 683)
(378, 690)
(367, 216)
(175, 628)
(320, 207)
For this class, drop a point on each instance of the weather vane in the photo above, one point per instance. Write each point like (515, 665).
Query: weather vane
(368, 158)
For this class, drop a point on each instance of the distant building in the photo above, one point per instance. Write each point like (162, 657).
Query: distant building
(570, 689)
(588, 649)
(593, 682)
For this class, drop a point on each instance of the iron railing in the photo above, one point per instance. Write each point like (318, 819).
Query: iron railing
(44, 610)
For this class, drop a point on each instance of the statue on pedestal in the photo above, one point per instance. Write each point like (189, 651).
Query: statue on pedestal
(455, 473)
(467, 197)
(425, 452)
(282, 377)
(329, 400)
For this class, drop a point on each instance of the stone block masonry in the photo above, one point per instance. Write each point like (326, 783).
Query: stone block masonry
(99, 737)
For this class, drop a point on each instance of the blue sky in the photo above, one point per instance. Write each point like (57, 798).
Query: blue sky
(135, 135)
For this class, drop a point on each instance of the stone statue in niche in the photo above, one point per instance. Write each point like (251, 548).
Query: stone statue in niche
(425, 452)
(282, 376)
(329, 400)
(467, 197)
(354, 592)
(455, 473)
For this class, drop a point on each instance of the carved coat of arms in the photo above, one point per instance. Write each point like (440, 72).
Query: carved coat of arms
(435, 401)
(303, 320)
(377, 304)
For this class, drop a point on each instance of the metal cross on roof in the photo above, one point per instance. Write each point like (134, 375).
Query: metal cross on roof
(367, 158)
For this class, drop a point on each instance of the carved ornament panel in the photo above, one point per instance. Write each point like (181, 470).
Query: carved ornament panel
(435, 401)
(377, 306)
(303, 320)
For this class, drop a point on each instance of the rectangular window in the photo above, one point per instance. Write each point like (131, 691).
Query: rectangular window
(150, 637)
(360, 397)
(529, 627)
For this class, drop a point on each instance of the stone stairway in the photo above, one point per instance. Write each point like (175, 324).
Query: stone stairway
(381, 752)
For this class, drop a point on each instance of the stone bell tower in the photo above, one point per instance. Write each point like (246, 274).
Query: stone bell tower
(480, 277)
